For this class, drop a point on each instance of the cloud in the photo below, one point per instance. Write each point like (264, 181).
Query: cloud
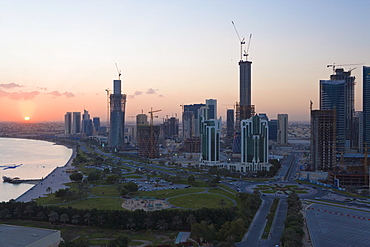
(138, 93)
(9, 85)
(161, 95)
(55, 93)
(24, 95)
(130, 96)
(3, 93)
(68, 94)
(151, 91)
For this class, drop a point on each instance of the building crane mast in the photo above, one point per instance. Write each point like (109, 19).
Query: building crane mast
(246, 53)
(242, 41)
(119, 72)
(108, 90)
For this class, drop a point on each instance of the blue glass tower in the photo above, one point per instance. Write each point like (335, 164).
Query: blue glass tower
(117, 116)
(366, 104)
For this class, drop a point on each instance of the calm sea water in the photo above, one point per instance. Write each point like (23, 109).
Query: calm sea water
(38, 159)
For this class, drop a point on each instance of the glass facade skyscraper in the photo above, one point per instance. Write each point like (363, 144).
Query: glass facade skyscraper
(366, 105)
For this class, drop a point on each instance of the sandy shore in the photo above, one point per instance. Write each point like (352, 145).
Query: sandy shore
(55, 180)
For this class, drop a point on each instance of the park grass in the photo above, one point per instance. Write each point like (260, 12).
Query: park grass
(227, 188)
(49, 199)
(96, 202)
(133, 176)
(222, 192)
(197, 201)
(263, 186)
(168, 193)
(268, 191)
(105, 191)
(300, 191)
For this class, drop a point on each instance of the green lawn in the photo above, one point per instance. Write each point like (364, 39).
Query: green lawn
(99, 203)
(268, 191)
(222, 192)
(196, 201)
(167, 193)
(108, 191)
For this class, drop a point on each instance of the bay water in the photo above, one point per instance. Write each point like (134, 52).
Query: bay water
(31, 159)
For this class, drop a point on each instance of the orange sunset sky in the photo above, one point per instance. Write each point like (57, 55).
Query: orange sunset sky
(59, 56)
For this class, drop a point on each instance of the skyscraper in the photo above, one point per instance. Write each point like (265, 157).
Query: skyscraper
(333, 96)
(366, 105)
(230, 123)
(87, 126)
(323, 139)
(254, 144)
(273, 130)
(210, 131)
(194, 108)
(96, 123)
(117, 116)
(212, 108)
(76, 122)
(282, 134)
(68, 123)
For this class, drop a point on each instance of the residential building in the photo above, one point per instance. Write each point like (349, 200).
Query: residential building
(76, 122)
(273, 130)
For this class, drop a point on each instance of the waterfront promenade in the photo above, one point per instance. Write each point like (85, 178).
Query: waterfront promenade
(55, 180)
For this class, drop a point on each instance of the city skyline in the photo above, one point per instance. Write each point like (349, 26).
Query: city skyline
(59, 57)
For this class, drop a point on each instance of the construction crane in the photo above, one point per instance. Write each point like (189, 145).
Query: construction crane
(246, 52)
(242, 41)
(335, 65)
(108, 92)
(119, 72)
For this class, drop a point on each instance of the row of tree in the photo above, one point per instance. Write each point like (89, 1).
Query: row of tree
(293, 230)
(118, 219)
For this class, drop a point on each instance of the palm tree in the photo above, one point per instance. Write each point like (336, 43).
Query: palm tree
(130, 223)
(162, 225)
(75, 219)
(53, 217)
(176, 221)
(148, 223)
(88, 218)
(64, 218)
(49, 190)
(191, 220)
(28, 210)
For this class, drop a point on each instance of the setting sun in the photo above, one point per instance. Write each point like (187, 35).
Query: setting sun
(27, 118)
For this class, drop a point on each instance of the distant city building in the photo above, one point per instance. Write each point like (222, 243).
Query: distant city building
(194, 108)
(273, 130)
(254, 144)
(210, 140)
(142, 119)
(148, 141)
(230, 123)
(323, 139)
(68, 123)
(117, 116)
(170, 128)
(366, 105)
(282, 135)
(332, 96)
(96, 123)
(188, 123)
(76, 122)
(358, 130)
(87, 125)
(212, 108)
(192, 145)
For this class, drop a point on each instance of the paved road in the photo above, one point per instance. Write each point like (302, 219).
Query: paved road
(337, 226)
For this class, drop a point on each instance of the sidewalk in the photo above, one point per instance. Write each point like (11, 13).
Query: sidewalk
(55, 180)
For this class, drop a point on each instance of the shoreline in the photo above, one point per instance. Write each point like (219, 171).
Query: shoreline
(55, 180)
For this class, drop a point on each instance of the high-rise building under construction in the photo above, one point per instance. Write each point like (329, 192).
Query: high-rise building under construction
(117, 116)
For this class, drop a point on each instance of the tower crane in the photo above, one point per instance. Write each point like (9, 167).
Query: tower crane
(108, 91)
(242, 41)
(246, 53)
(119, 72)
(335, 65)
